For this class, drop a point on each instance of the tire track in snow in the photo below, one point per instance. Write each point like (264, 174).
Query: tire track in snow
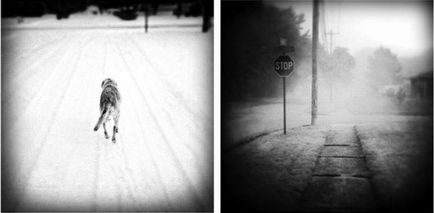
(114, 161)
(31, 52)
(13, 126)
(158, 70)
(52, 119)
(97, 173)
(162, 186)
(112, 164)
(33, 105)
(118, 188)
(149, 152)
(23, 47)
(164, 136)
(81, 170)
(98, 146)
(126, 172)
(104, 69)
(119, 170)
(199, 164)
(118, 167)
(44, 89)
(129, 172)
(172, 88)
(174, 96)
(31, 70)
(104, 172)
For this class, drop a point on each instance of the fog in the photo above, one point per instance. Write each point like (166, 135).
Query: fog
(374, 63)
(403, 26)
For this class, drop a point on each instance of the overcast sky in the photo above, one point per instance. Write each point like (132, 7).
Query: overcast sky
(405, 26)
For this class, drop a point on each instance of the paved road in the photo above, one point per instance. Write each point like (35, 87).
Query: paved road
(53, 160)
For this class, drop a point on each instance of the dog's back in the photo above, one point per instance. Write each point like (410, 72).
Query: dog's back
(110, 95)
(109, 106)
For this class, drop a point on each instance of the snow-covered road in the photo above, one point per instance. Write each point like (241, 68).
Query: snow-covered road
(51, 157)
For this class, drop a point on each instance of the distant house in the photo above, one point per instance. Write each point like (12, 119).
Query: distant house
(421, 85)
(391, 90)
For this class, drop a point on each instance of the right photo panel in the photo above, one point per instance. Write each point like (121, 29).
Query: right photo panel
(327, 106)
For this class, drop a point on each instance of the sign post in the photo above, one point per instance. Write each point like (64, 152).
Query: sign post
(284, 65)
(284, 105)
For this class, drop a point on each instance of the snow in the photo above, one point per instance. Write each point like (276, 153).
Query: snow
(162, 160)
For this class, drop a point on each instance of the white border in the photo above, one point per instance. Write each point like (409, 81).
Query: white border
(217, 141)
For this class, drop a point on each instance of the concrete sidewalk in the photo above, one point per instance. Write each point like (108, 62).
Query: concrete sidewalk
(340, 180)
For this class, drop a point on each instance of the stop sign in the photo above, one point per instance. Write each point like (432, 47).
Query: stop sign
(284, 65)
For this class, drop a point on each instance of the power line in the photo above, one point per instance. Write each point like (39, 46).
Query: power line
(323, 23)
(331, 34)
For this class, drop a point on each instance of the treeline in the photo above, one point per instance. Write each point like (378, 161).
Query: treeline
(63, 8)
(251, 37)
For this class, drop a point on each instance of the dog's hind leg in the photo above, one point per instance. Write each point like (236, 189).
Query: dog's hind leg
(114, 133)
(99, 123)
(116, 119)
(105, 131)
(115, 126)
(101, 118)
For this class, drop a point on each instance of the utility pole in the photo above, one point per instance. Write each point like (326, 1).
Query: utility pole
(314, 61)
(284, 105)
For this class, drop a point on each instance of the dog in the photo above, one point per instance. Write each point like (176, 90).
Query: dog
(109, 107)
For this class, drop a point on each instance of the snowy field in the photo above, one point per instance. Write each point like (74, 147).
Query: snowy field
(52, 159)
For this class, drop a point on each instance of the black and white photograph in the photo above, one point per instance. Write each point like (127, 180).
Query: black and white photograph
(326, 106)
(217, 106)
(107, 105)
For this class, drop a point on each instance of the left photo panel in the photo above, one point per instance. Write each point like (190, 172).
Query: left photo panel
(107, 105)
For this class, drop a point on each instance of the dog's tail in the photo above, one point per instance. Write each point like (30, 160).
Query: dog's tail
(101, 118)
